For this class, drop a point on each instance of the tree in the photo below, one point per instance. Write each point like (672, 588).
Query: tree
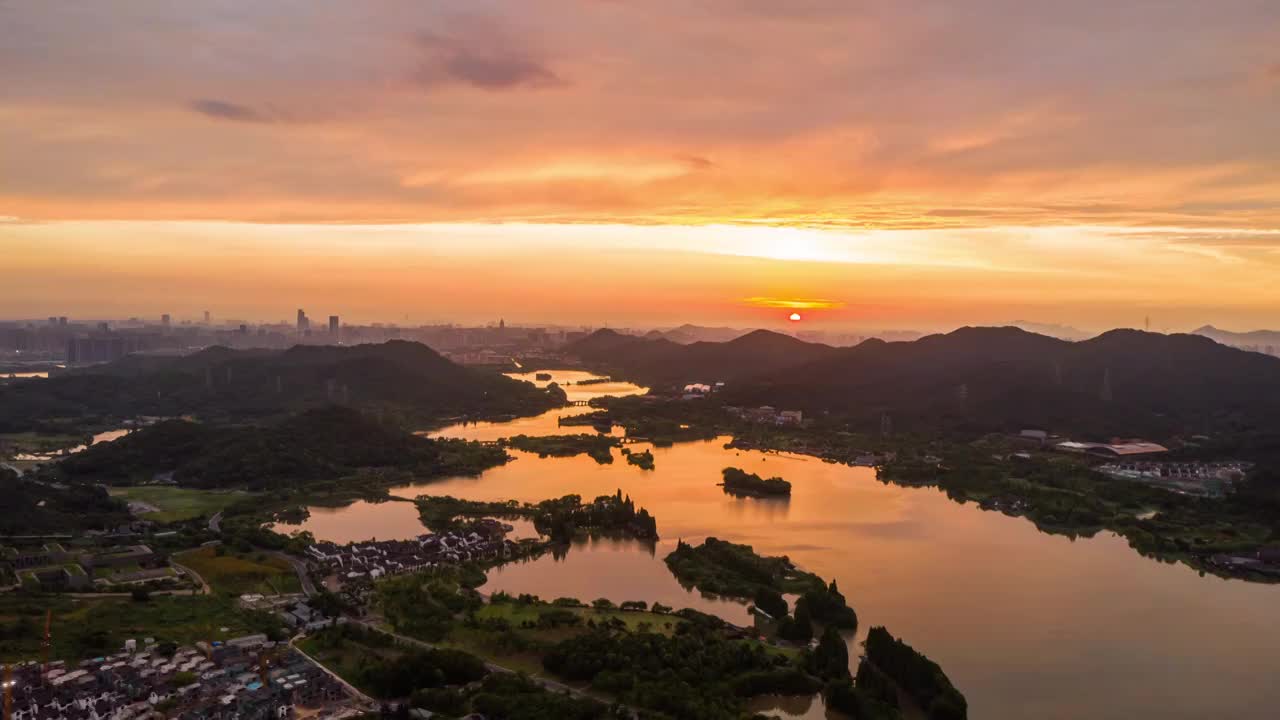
(830, 660)
(799, 629)
(771, 602)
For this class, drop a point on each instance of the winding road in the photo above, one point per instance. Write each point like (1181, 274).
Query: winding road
(299, 567)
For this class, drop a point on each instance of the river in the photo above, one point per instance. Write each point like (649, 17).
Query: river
(105, 436)
(1027, 625)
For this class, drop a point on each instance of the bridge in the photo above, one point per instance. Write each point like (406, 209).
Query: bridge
(578, 403)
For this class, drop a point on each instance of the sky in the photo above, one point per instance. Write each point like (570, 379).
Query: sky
(882, 164)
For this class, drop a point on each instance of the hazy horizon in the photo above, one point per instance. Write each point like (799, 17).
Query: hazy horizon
(884, 165)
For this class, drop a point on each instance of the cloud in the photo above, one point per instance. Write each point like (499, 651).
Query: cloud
(495, 72)
(697, 162)
(793, 303)
(223, 110)
(481, 62)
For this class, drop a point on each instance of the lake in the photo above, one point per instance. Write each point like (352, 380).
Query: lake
(1027, 625)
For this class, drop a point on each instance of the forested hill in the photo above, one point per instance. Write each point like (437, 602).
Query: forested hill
(399, 379)
(1121, 383)
(662, 361)
(318, 445)
(33, 508)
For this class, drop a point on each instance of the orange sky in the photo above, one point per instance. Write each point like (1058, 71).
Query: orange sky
(911, 163)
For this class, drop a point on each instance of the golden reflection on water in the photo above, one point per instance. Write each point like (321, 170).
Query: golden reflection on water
(1028, 625)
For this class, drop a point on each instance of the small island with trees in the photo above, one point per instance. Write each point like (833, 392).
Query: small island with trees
(598, 447)
(642, 460)
(741, 482)
(730, 570)
(560, 519)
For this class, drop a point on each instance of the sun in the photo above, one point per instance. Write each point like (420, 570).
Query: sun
(795, 317)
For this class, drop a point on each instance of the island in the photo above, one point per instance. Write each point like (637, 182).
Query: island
(642, 460)
(561, 519)
(741, 482)
(731, 570)
(597, 447)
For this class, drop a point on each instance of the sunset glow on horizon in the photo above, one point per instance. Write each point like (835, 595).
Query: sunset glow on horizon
(866, 165)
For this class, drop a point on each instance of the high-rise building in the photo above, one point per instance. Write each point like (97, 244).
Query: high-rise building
(166, 321)
(206, 317)
(103, 348)
(333, 324)
(303, 323)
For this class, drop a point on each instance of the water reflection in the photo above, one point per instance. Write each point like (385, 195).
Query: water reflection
(792, 707)
(547, 423)
(1028, 625)
(106, 436)
(612, 568)
(767, 508)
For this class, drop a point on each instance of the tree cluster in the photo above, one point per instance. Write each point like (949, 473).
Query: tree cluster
(917, 675)
(695, 673)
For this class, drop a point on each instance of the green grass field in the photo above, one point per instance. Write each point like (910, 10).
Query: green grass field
(239, 574)
(83, 628)
(176, 504)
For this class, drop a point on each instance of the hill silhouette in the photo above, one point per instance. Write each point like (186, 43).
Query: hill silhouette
(317, 445)
(658, 362)
(398, 378)
(977, 379)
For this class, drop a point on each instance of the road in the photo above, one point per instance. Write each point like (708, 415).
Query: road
(215, 522)
(204, 586)
(308, 587)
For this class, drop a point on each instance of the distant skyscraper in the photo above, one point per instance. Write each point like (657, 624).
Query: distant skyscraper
(303, 323)
(62, 320)
(206, 317)
(333, 324)
(166, 321)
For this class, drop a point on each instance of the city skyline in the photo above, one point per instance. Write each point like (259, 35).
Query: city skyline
(796, 324)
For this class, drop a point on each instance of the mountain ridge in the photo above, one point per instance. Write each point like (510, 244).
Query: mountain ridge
(1120, 383)
(400, 378)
